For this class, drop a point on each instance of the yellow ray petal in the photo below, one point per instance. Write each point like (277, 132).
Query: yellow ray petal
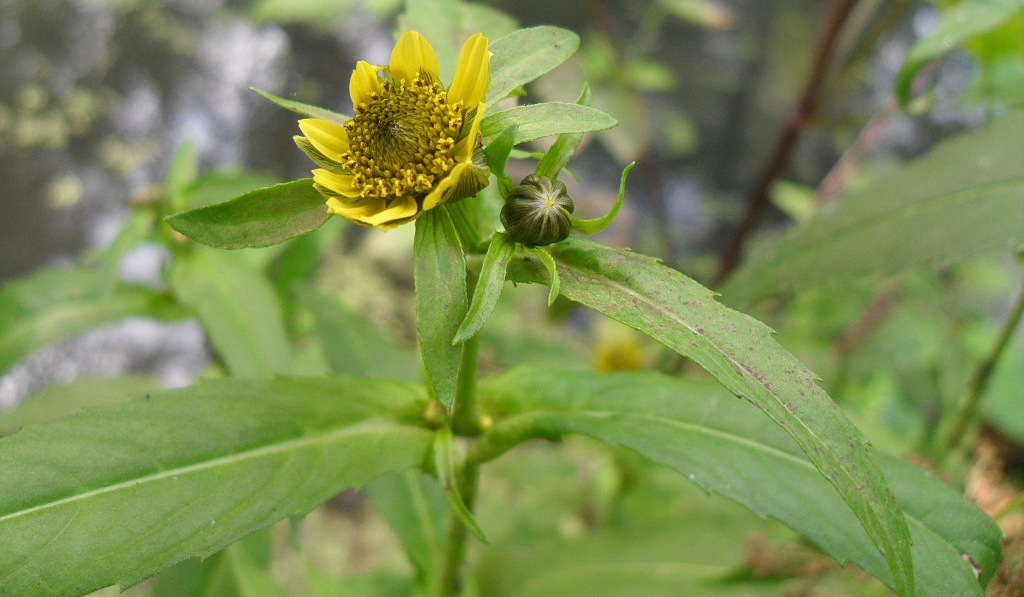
(363, 83)
(335, 183)
(328, 138)
(411, 54)
(473, 73)
(373, 213)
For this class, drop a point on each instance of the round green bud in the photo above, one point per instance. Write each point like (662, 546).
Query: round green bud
(538, 212)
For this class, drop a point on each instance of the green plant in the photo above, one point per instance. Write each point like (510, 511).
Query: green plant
(119, 492)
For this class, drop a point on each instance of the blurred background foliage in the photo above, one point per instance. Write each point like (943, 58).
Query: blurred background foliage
(115, 113)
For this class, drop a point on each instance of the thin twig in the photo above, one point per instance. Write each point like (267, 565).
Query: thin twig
(983, 374)
(803, 112)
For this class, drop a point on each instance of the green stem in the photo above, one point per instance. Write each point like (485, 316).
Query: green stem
(464, 423)
(455, 555)
(983, 374)
(464, 415)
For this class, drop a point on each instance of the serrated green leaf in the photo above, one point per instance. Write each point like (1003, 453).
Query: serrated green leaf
(441, 302)
(964, 197)
(524, 55)
(543, 120)
(352, 345)
(53, 304)
(238, 309)
(259, 218)
(488, 287)
(964, 20)
(306, 109)
(115, 494)
(740, 352)
(724, 446)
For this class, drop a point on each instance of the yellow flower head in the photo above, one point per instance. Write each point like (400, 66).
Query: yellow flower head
(412, 145)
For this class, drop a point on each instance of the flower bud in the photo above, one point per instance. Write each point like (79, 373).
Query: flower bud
(538, 212)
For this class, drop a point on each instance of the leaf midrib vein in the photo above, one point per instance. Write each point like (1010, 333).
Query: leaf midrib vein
(281, 447)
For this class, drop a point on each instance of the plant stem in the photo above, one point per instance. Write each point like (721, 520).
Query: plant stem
(802, 113)
(464, 423)
(983, 374)
(464, 415)
(454, 557)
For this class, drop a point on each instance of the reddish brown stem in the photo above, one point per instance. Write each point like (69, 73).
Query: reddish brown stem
(804, 111)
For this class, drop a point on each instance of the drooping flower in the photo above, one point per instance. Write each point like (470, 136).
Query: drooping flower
(411, 145)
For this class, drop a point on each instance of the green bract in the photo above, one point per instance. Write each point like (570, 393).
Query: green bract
(538, 212)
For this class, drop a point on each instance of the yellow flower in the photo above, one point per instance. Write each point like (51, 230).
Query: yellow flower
(412, 145)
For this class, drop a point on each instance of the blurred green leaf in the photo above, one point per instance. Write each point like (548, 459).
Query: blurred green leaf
(115, 494)
(964, 20)
(544, 120)
(441, 301)
(740, 352)
(726, 447)
(524, 55)
(137, 230)
(52, 304)
(352, 344)
(414, 506)
(964, 197)
(1003, 406)
(60, 400)
(438, 21)
(306, 109)
(259, 218)
(241, 569)
(238, 309)
(183, 170)
(706, 13)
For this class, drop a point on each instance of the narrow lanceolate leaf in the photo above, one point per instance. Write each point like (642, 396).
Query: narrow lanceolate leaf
(306, 109)
(259, 218)
(52, 304)
(564, 147)
(524, 55)
(441, 301)
(543, 120)
(724, 446)
(960, 22)
(740, 352)
(238, 309)
(488, 287)
(964, 197)
(444, 464)
(115, 494)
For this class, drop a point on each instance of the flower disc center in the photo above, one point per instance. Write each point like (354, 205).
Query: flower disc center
(402, 142)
